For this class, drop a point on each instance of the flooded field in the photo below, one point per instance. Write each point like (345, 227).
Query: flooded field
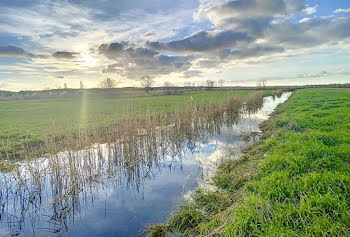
(116, 189)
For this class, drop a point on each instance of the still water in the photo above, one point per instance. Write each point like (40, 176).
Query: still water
(83, 194)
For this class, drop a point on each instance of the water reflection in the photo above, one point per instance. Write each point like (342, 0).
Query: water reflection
(118, 188)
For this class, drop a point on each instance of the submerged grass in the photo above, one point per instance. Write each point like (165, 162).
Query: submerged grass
(293, 182)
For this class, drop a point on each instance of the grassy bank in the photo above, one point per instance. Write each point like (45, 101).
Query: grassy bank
(293, 182)
(27, 123)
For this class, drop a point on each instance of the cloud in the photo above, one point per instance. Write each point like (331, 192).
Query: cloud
(149, 34)
(228, 58)
(204, 41)
(256, 8)
(270, 21)
(3, 85)
(255, 51)
(314, 75)
(254, 27)
(250, 10)
(36, 37)
(64, 55)
(74, 37)
(75, 25)
(341, 10)
(207, 63)
(134, 62)
(251, 16)
(310, 10)
(12, 51)
(192, 73)
(305, 19)
(125, 50)
(312, 32)
(241, 25)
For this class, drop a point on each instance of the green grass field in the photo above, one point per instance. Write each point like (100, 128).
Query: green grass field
(293, 182)
(27, 121)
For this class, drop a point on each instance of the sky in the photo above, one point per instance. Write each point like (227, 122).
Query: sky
(46, 43)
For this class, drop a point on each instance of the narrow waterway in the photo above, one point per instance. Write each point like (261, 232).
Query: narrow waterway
(94, 193)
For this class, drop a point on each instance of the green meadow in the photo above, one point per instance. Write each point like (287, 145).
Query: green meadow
(294, 182)
(26, 122)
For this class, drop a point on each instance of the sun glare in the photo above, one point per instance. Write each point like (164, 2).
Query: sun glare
(87, 60)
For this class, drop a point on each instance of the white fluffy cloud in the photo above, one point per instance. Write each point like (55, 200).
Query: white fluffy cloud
(341, 10)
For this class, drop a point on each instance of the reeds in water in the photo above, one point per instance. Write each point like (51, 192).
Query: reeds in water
(134, 148)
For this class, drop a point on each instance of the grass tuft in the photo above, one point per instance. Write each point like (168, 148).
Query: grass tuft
(186, 219)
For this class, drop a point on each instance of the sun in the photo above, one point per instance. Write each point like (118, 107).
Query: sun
(86, 60)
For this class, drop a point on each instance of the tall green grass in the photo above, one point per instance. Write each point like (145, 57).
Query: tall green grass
(294, 182)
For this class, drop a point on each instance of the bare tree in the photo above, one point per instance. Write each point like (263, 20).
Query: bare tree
(261, 83)
(147, 83)
(168, 84)
(258, 84)
(210, 83)
(169, 88)
(81, 85)
(221, 83)
(108, 83)
(187, 84)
